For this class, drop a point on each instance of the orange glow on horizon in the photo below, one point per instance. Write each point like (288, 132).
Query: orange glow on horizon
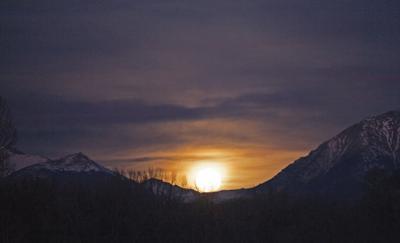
(237, 167)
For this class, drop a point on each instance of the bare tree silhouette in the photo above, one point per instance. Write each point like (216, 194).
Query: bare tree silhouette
(8, 138)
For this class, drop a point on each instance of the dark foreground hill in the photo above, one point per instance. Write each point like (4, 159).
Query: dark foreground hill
(112, 209)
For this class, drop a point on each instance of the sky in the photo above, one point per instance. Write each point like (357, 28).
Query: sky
(247, 85)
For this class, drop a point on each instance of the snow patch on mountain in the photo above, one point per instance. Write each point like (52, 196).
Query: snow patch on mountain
(381, 135)
(165, 189)
(371, 143)
(74, 163)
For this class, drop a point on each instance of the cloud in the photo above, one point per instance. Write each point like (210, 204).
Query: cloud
(182, 51)
(287, 119)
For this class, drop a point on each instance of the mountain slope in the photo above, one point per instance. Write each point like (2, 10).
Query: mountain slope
(72, 164)
(338, 166)
(19, 160)
(165, 189)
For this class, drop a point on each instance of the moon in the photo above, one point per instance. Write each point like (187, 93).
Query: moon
(208, 179)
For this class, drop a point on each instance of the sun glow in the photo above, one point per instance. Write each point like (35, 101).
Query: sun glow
(208, 179)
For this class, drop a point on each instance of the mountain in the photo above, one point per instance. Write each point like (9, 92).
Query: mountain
(338, 167)
(19, 160)
(69, 165)
(165, 189)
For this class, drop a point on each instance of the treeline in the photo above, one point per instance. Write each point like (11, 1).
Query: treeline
(114, 209)
(8, 138)
(139, 176)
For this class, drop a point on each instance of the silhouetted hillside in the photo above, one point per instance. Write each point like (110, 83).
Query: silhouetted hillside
(113, 209)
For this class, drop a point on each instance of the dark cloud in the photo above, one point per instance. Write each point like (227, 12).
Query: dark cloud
(49, 120)
(131, 161)
(58, 111)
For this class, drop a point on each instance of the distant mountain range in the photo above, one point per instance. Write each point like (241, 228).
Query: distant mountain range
(71, 164)
(335, 169)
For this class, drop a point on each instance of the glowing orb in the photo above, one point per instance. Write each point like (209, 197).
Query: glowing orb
(208, 180)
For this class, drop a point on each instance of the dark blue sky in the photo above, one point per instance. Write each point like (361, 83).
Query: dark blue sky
(255, 83)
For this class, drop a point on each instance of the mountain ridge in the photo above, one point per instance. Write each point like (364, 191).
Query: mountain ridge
(73, 163)
(344, 159)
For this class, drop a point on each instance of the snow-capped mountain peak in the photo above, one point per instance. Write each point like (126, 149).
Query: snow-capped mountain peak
(341, 163)
(74, 163)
